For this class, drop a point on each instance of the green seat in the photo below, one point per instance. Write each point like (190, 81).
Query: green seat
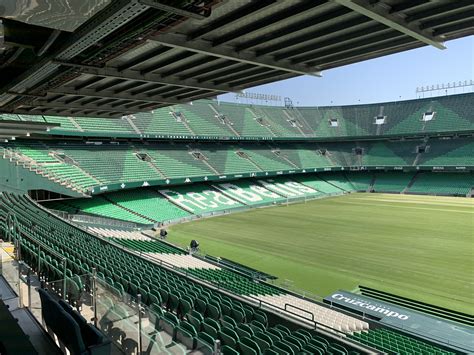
(238, 315)
(212, 311)
(283, 329)
(229, 321)
(169, 322)
(262, 344)
(186, 334)
(227, 339)
(229, 350)
(286, 347)
(155, 313)
(242, 333)
(295, 341)
(313, 349)
(245, 349)
(184, 307)
(195, 321)
(251, 344)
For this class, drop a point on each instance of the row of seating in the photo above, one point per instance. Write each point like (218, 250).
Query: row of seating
(443, 184)
(237, 283)
(13, 339)
(89, 165)
(150, 205)
(233, 282)
(393, 342)
(71, 328)
(124, 272)
(211, 118)
(118, 233)
(147, 246)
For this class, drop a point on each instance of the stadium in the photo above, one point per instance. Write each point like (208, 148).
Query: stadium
(142, 214)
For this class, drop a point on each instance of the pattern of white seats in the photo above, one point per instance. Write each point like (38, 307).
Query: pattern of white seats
(117, 233)
(183, 261)
(322, 315)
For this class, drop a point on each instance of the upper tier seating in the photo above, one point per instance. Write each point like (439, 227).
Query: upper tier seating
(266, 159)
(9, 117)
(159, 122)
(243, 120)
(93, 124)
(202, 120)
(449, 152)
(389, 154)
(212, 118)
(227, 161)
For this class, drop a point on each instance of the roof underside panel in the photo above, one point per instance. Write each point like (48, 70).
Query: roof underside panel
(143, 54)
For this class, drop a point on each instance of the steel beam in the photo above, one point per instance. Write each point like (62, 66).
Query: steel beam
(205, 47)
(42, 105)
(113, 95)
(156, 4)
(148, 78)
(382, 14)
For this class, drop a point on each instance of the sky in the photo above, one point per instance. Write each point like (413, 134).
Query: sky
(389, 78)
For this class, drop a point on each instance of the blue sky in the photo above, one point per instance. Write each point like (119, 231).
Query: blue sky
(387, 78)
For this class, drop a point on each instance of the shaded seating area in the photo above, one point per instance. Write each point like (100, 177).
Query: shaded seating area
(72, 330)
(13, 340)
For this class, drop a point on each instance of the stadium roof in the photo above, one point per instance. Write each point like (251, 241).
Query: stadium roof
(137, 55)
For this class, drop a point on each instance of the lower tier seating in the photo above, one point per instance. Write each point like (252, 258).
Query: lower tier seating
(147, 246)
(393, 342)
(360, 180)
(166, 204)
(13, 340)
(443, 184)
(192, 313)
(175, 298)
(318, 184)
(99, 206)
(85, 166)
(392, 181)
(337, 179)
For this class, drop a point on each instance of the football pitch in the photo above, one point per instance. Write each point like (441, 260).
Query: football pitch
(420, 247)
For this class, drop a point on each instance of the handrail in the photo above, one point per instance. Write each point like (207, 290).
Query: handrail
(300, 309)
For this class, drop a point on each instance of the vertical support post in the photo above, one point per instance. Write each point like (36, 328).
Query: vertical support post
(28, 283)
(64, 278)
(94, 294)
(39, 260)
(139, 304)
(18, 248)
(217, 347)
(20, 293)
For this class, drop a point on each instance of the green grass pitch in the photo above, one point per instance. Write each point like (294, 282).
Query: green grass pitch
(420, 247)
